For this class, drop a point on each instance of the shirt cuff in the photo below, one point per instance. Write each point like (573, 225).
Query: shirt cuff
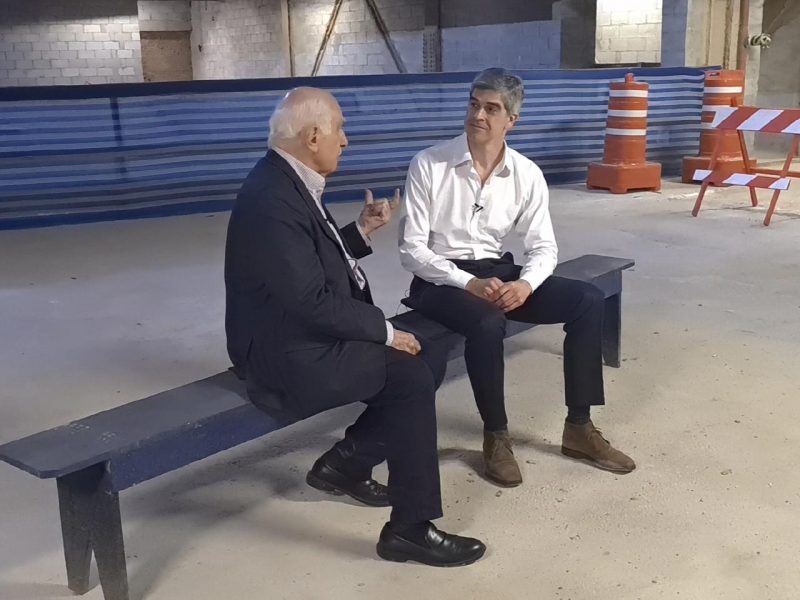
(534, 279)
(459, 278)
(363, 235)
(389, 333)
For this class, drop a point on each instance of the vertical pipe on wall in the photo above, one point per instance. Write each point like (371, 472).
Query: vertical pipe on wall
(709, 19)
(432, 37)
(286, 30)
(744, 22)
(726, 50)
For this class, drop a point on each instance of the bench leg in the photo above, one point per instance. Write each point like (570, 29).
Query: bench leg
(109, 547)
(75, 512)
(90, 521)
(612, 330)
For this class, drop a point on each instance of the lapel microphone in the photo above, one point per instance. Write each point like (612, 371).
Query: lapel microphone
(476, 208)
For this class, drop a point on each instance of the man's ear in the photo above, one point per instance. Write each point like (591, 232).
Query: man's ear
(311, 137)
(512, 120)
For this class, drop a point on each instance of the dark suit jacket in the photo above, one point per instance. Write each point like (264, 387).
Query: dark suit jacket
(307, 338)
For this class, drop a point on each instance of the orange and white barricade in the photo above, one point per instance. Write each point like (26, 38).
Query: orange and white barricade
(751, 118)
(624, 166)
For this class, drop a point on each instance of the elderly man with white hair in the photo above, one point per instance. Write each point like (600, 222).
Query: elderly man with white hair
(302, 330)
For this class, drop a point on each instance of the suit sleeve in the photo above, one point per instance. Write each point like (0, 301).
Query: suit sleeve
(293, 274)
(358, 246)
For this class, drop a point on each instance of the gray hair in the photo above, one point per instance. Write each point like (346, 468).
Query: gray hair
(508, 85)
(298, 109)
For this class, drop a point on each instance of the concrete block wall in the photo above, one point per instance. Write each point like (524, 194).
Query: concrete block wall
(402, 15)
(628, 32)
(68, 43)
(238, 39)
(693, 33)
(409, 46)
(165, 15)
(673, 32)
(578, 29)
(754, 53)
(469, 13)
(531, 45)
(356, 45)
(779, 80)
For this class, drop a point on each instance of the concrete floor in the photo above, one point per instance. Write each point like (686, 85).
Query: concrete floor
(706, 402)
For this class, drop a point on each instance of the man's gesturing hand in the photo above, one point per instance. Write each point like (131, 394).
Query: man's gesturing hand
(377, 213)
(484, 288)
(512, 295)
(406, 342)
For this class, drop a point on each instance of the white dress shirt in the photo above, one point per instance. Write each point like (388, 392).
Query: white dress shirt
(450, 215)
(315, 184)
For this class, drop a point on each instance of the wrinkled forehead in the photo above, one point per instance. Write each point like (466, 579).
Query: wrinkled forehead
(487, 96)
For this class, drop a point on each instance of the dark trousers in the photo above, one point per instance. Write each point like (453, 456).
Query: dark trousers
(577, 304)
(399, 426)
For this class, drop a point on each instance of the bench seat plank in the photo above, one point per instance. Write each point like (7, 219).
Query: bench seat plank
(594, 267)
(130, 427)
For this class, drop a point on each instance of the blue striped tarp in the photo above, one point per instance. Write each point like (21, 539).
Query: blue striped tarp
(89, 153)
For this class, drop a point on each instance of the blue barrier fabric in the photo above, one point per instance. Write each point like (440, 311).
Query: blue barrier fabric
(88, 153)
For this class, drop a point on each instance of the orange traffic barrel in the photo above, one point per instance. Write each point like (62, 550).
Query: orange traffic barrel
(624, 166)
(722, 89)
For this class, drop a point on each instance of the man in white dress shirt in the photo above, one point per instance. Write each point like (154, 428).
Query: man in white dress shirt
(463, 198)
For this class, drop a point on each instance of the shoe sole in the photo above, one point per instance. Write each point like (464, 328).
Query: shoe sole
(323, 486)
(500, 482)
(581, 456)
(401, 557)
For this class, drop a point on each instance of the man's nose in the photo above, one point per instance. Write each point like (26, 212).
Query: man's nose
(344, 140)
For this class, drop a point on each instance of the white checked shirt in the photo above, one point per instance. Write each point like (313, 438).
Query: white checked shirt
(315, 183)
(451, 216)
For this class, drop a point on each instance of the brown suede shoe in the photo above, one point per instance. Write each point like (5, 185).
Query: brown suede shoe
(587, 443)
(501, 466)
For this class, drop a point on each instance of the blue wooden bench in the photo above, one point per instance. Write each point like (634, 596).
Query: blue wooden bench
(95, 458)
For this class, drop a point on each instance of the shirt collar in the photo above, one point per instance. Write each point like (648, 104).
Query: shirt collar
(462, 155)
(312, 180)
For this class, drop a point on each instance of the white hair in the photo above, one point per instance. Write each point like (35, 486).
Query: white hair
(298, 109)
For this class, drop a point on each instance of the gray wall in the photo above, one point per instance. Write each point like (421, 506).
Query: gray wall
(97, 41)
(56, 43)
(45, 43)
(238, 39)
(165, 15)
(466, 13)
(779, 80)
(578, 20)
(628, 32)
(248, 38)
(531, 45)
(356, 45)
(675, 19)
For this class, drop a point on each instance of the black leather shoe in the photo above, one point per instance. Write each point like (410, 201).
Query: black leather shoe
(327, 478)
(439, 549)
